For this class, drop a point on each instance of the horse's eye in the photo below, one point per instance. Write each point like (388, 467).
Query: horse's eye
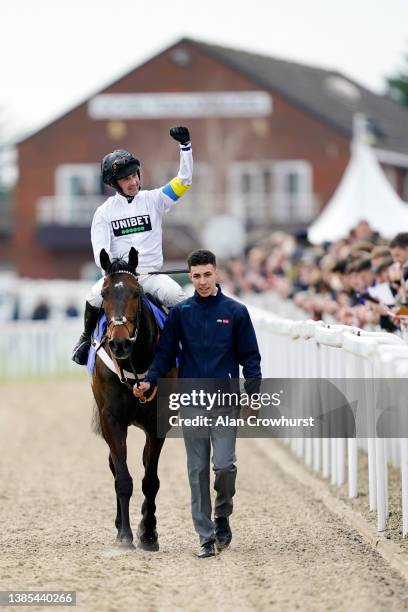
(135, 295)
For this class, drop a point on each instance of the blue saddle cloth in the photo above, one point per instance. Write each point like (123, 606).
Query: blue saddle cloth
(102, 324)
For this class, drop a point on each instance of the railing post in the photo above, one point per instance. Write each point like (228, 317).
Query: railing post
(381, 483)
(404, 482)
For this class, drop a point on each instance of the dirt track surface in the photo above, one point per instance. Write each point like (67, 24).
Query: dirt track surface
(57, 509)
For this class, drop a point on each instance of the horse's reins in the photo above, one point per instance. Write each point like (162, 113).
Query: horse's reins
(166, 272)
(122, 321)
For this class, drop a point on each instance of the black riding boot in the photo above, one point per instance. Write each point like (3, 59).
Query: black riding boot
(80, 353)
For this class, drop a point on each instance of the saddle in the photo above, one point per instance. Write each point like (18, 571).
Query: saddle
(158, 309)
(156, 302)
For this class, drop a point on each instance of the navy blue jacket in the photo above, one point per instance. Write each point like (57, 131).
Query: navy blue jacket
(216, 336)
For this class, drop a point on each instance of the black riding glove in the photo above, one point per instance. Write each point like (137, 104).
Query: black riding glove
(181, 134)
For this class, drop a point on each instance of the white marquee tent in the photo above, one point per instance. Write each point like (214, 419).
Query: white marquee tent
(364, 193)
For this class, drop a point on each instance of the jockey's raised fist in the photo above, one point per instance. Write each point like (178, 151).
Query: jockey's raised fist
(181, 134)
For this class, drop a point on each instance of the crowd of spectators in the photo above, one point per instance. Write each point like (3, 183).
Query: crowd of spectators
(41, 311)
(361, 280)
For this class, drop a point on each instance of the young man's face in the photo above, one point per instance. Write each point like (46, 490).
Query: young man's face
(400, 255)
(130, 185)
(204, 279)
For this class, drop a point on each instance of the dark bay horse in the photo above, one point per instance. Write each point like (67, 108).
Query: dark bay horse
(130, 341)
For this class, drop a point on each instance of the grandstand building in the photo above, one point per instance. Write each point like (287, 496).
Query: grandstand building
(271, 140)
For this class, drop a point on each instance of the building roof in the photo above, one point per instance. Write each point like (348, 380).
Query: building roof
(327, 94)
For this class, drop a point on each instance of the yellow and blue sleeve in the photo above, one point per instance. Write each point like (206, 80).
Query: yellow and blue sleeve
(175, 189)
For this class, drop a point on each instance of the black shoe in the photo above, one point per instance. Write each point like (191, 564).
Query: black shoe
(223, 533)
(81, 349)
(206, 550)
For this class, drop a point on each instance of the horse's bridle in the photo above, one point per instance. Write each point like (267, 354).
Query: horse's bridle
(123, 321)
(119, 321)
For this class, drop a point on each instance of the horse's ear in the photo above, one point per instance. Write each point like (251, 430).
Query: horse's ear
(133, 258)
(104, 259)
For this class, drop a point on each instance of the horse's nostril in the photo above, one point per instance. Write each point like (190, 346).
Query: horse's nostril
(120, 347)
(115, 346)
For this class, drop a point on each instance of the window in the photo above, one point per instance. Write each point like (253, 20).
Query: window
(198, 202)
(279, 191)
(78, 180)
(78, 192)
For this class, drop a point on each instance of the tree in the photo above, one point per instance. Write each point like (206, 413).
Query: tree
(397, 86)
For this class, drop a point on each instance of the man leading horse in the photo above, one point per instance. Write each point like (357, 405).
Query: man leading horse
(217, 336)
(133, 218)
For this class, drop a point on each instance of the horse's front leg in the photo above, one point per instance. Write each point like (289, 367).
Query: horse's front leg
(115, 435)
(147, 533)
(118, 519)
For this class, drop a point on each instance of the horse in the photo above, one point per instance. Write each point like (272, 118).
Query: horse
(131, 337)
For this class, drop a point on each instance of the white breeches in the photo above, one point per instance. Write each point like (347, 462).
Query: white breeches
(159, 286)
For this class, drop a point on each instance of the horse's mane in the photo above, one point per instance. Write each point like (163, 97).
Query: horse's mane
(117, 265)
(121, 265)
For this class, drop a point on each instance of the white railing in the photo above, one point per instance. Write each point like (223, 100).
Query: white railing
(290, 349)
(299, 349)
(68, 210)
(78, 211)
(196, 208)
(33, 348)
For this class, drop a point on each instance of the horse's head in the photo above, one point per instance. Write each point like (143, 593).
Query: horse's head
(122, 297)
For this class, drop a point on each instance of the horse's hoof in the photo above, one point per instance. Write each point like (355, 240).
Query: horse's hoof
(125, 544)
(149, 546)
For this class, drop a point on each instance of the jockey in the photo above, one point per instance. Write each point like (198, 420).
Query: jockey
(133, 217)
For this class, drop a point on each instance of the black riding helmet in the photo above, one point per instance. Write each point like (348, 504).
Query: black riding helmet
(117, 165)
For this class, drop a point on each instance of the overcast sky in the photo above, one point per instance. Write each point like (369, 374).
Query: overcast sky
(55, 53)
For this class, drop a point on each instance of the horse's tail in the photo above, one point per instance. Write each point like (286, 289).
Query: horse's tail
(96, 421)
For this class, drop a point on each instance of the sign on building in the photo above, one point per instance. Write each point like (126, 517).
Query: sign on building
(197, 104)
